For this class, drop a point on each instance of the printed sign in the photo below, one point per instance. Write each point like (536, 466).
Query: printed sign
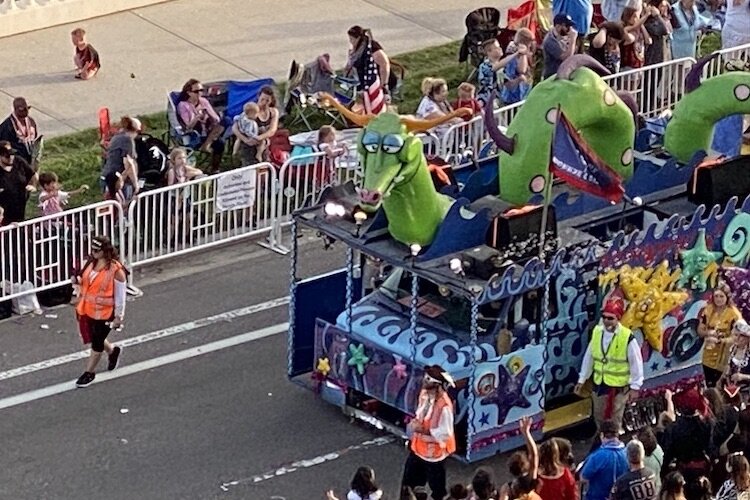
(236, 191)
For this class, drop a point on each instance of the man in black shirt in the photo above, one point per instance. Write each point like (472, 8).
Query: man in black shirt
(17, 180)
(21, 131)
(638, 483)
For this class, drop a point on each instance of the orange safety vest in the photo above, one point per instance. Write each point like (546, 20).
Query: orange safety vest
(98, 294)
(424, 445)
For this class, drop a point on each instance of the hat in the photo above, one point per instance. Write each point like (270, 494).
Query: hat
(6, 149)
(436, 374)
(613, 307)
(563, 18)
(742, 328)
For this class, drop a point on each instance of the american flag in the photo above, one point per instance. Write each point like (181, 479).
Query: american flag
(373, 96)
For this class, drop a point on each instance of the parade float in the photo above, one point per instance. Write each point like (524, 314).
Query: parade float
(467, 279)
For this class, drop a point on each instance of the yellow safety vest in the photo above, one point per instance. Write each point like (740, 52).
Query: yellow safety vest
(611, 367)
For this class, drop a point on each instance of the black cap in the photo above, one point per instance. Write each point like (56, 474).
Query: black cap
(6, 149)
(563, 18)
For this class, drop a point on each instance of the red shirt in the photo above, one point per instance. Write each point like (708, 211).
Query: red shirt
(559, 488)
(472, 104)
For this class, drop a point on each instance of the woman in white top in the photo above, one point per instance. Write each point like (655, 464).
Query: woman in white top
(435, 104)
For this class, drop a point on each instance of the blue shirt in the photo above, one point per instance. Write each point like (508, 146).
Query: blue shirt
(602, 468)
(487, 79)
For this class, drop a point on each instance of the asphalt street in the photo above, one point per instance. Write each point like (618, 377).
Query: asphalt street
(187, 414)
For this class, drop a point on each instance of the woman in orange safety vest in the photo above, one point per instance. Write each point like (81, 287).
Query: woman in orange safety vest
(431, 433)
(101, 305)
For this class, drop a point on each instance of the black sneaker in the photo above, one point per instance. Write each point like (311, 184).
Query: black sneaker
(85, 379)
(114, 358)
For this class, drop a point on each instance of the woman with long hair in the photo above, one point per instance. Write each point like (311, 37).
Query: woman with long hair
(738, 484)
(358, 60)
(673, 487)
(715, 322)
(197, 114)
(267, 119)
(555, 480)
(101, 305)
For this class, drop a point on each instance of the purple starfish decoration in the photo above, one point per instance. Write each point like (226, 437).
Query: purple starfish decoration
(508, 393)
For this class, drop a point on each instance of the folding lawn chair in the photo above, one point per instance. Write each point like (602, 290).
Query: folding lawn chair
(305, 82)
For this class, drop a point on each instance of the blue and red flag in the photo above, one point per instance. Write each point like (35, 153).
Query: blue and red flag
(576, 163)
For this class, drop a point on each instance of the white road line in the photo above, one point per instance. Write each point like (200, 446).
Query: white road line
(147, 337)
(307, 463)
(167, 359)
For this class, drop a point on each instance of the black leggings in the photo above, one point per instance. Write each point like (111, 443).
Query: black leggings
(98, 329)
(417, 472)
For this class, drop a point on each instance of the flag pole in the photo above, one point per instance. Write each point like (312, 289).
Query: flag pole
(547, 197)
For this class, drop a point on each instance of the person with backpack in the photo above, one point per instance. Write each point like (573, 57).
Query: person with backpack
(101, 305)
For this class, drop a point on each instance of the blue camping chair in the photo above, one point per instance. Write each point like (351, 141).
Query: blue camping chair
(227, 98)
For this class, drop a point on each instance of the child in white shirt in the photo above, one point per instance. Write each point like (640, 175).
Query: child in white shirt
(327, 142)
(247, 129)
(52, 199)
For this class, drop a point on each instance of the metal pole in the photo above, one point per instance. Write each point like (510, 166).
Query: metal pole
(413, 315)
(545, 213)
(349, 287)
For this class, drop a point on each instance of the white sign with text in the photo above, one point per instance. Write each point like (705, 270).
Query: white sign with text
(236, 191)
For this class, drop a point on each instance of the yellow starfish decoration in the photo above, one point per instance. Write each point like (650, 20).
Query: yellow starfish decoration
(649, 301)
(324, 366)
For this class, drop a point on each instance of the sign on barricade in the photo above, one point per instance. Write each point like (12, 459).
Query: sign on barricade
(236, 191)
(202, 213)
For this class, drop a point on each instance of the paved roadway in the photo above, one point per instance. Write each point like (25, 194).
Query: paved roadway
(147, 52)
(184, 415)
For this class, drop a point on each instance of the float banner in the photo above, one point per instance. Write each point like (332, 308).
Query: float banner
(578, 165)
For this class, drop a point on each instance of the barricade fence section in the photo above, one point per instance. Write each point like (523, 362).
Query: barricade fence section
(201, 213)
(45, 252)
(656, 88)
(739, 57)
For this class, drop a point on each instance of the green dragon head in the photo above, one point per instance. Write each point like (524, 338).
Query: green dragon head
(391, 157)
(604, 118)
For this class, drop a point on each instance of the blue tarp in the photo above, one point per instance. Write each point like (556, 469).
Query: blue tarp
(241, 92)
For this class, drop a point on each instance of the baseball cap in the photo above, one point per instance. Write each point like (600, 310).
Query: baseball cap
(563, 18)
(6, 149)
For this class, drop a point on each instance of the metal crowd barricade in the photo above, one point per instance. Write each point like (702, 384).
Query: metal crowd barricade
(460, 137)
(657, 87)
(739, 54)
(47, 251)
(202, 213)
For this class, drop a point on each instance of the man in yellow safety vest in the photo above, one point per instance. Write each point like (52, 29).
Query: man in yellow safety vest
(613, 360)
(431, 434)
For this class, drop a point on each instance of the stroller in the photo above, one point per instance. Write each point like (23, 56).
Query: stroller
(152, 161)
(481, 24)
(305, 82)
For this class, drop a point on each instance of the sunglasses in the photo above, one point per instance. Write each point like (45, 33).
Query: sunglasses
(610, 318)
(196, 91)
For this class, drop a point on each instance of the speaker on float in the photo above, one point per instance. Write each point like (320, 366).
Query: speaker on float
(714, 182)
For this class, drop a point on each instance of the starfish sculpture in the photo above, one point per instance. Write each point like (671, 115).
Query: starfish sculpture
(649, 301)
(399, 369)
(738, 280)
(695, 261)
(508, 393)
(324, 366)
(357, 358)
